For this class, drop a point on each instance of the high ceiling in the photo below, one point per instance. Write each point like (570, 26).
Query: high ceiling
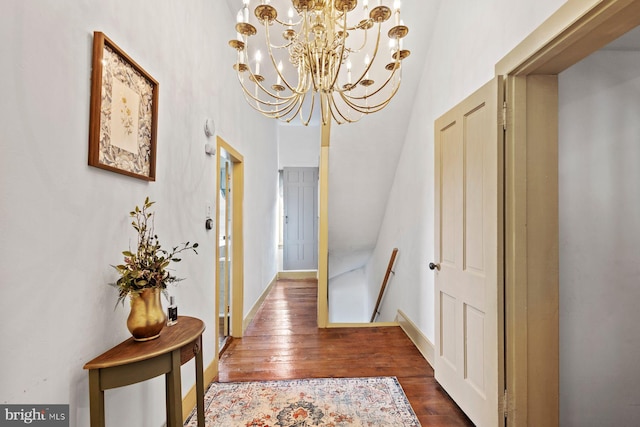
(364, 155)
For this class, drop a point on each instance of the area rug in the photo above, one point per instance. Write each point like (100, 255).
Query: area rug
(335, 402)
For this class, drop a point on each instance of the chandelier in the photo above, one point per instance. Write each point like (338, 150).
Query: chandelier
(329, 48)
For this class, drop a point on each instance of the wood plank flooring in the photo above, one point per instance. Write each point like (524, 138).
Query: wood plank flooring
(283, 342)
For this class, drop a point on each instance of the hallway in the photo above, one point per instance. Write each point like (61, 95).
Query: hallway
(283, 342)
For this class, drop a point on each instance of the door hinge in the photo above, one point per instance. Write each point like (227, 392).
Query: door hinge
(504, 115)
(505, 405)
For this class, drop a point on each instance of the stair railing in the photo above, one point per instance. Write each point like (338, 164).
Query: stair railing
(384, 283)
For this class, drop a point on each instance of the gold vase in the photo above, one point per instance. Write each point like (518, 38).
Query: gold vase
(147, 317)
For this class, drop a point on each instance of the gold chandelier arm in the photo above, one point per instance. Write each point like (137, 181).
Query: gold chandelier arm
(344, 41)
(371, 108)
(335, 109)
(304, 80)
(273, 61)
(282, 100)
(293, 115)
(375, 53)
(288, 116)
(325, 108)
(257, 82)
(367, 109)
(286, 24)
(282, 46)
(287, 113)
(382, 86)
(363, 25)
(364, 42)
(299, 89)
(313, 104)
(275, 113)
(309, 56)
(312, 59)
(262, 88)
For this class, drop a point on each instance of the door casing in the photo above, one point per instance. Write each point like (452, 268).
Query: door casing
(577, 29)
(237, 247)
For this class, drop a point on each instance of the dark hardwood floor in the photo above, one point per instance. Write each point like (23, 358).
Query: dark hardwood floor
(283, 342)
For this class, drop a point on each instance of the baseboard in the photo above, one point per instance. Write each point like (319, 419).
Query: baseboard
(298, 274)
(258, 303)
(189, 400)
(361, 325)
(422, 343)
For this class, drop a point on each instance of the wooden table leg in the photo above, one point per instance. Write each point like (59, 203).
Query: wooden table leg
(96, 399)
(174, 393)
(200, 386)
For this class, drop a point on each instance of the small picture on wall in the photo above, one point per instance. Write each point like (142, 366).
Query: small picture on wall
(124, 113)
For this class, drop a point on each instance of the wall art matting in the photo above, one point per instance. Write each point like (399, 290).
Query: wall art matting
(124, 113)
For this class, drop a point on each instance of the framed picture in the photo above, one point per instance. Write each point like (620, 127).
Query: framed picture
(124, 113)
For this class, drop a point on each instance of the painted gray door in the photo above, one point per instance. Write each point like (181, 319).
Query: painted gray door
(300, 198)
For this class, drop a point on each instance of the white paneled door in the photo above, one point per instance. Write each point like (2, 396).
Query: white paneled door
(300, 201)
(468, 268)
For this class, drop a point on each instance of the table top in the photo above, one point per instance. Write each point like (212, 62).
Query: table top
(171, 338)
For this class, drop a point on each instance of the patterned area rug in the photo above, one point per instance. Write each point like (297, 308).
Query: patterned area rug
(335, 402)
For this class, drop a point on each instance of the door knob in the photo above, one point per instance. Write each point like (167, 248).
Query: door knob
(433, 266)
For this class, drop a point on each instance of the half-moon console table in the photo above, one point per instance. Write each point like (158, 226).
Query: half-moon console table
(131, 361)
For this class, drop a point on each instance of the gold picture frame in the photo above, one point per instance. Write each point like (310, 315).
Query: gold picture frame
(123, 117)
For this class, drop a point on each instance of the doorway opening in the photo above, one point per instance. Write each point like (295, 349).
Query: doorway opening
(532, 208)
(225, 260)
(229, 248)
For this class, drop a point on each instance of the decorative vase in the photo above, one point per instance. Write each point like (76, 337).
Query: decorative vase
(147, 317)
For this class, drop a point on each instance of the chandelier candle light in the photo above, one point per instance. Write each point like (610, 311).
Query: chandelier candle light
(321, 42)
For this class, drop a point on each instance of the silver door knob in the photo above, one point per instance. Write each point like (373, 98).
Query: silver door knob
(433, 266)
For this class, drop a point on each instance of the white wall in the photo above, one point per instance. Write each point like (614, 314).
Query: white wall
(469, 38)
(298, 146)
(345, 298)
(600, 240)
(63, 223)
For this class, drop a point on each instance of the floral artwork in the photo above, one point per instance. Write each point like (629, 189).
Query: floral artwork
(125, 104)
(124, 109)
(115, 73)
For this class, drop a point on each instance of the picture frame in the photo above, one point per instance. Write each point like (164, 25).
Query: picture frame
(123, 118)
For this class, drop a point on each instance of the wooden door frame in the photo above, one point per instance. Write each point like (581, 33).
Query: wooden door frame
(323, 227)
(237, 247)
(577, 29)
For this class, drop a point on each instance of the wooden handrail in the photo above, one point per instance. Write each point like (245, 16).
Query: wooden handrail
(384, 283)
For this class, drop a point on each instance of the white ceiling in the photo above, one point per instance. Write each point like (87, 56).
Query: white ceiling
(364, 155)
